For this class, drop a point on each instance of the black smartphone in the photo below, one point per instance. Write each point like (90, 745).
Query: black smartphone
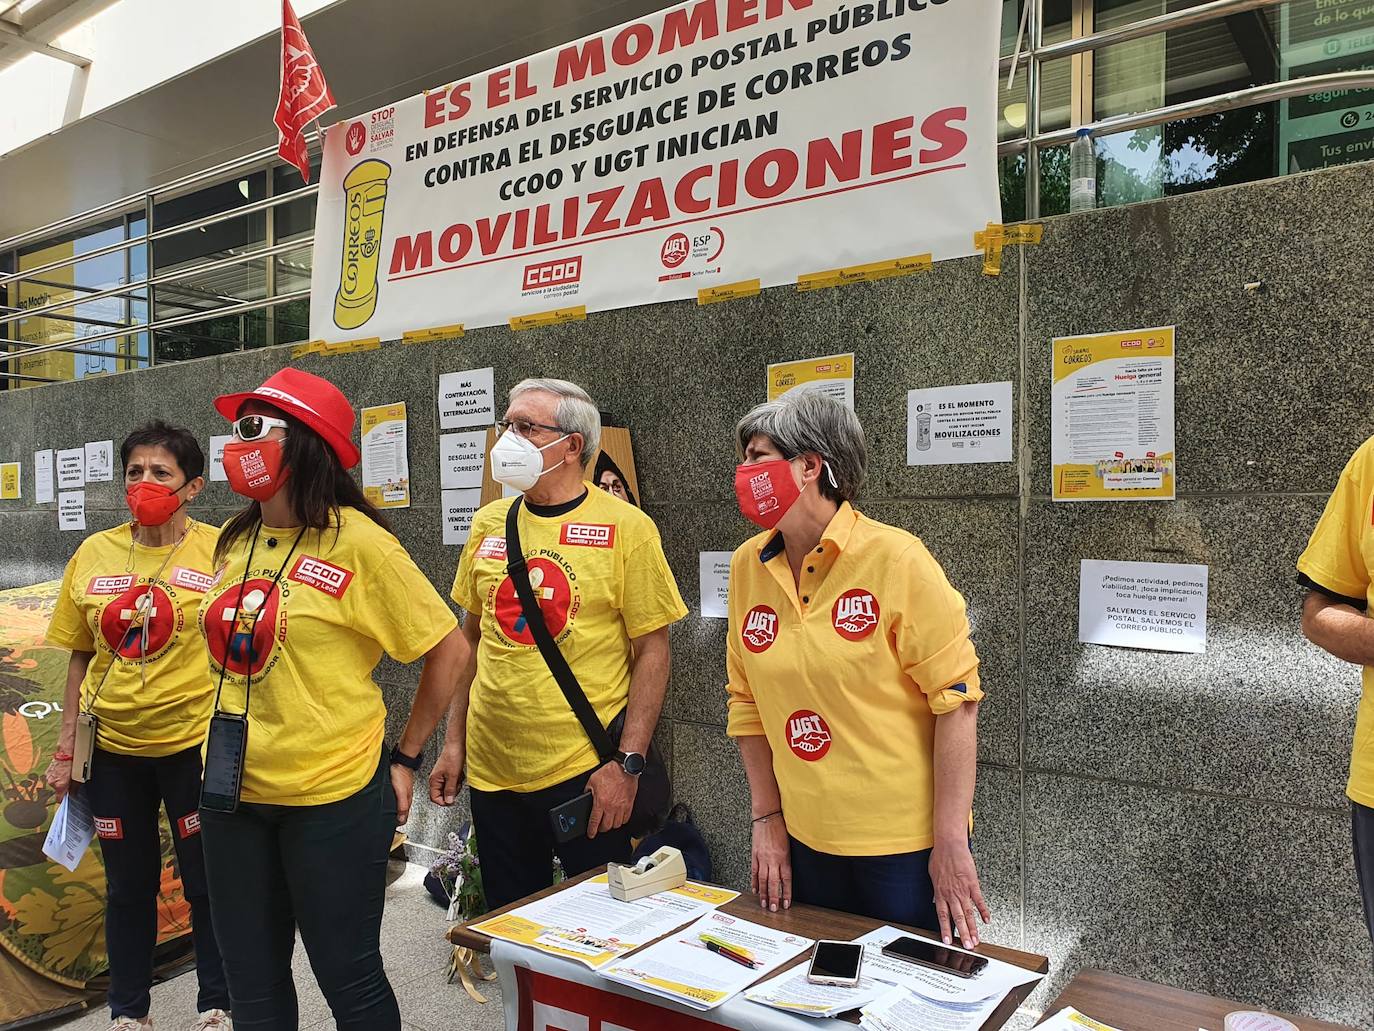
(836, 963)
(936, 956)
(570, 819)
(225, 748)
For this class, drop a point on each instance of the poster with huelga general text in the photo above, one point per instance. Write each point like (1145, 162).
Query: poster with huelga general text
(711, 143)
(1112, 415)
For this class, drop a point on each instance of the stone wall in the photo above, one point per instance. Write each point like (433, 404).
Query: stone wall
(1179, 818)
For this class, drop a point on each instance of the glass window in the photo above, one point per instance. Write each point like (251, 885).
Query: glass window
(1317, 37)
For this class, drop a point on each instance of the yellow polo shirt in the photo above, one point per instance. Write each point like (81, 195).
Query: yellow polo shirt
(600, 575)
(1338, 561)
(845, 675)
(315, 717)
(154, 700)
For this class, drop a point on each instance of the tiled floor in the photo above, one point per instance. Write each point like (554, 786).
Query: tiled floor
(416, 957)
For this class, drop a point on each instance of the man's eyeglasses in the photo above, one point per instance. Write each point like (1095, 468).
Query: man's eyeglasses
(524, 428)
(255, 427)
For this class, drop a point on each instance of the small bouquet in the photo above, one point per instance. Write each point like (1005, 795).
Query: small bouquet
(458, 876)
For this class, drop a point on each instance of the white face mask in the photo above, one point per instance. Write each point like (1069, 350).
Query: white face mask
(518, 463)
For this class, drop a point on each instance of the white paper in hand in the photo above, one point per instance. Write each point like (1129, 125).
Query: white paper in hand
(71, 832)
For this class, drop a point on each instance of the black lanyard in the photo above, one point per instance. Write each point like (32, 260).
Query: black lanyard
(224, 663)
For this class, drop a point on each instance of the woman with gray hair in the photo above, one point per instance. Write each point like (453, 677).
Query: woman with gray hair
(853, 686)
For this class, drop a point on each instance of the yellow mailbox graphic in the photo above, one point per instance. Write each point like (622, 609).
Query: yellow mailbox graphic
(364, 202)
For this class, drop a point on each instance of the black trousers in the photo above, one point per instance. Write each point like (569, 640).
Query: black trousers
(125, 793)
(516, 845)
(319, 868)
(1362, 831)
(895, 889)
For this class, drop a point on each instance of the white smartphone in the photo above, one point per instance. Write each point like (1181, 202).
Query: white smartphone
(836, 963)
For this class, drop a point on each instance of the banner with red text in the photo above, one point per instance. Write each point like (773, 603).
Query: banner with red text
(713, 143)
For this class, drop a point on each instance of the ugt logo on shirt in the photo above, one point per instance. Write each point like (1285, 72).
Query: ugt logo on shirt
(760, 629)
(808, 735)
(855, 615)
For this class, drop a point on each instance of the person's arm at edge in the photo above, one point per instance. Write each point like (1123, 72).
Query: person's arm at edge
(1338, 628)
(60, 770)
(958, 896)
(446, 778)
(443, 663)
(770, 866)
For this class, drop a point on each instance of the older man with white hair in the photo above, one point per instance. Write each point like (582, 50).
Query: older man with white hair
(604, 592)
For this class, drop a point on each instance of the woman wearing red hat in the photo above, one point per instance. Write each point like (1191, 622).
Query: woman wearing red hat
(300, 801)
(127, 611)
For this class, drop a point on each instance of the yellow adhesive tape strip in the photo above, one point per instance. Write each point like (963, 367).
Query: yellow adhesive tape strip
(352, 346)
(865, 273)
(417, 336)
(309, 347)
(1028, 233)
(729, 292)
(550, 318)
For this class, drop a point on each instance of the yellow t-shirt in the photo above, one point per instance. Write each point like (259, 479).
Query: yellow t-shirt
(1339, 560)
(315, 717)
(845, 677)
(602, 580)
(101, 609)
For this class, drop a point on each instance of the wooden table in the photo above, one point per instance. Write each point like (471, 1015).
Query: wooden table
(811, 922)
(1131, 1004)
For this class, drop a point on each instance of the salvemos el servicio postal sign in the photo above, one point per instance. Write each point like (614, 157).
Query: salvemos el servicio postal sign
(715, 142)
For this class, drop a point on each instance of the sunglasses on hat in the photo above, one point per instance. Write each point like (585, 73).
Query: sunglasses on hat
(249, 428)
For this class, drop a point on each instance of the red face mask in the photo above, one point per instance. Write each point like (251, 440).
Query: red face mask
(152, 504)
(254, 468)
(766, 491)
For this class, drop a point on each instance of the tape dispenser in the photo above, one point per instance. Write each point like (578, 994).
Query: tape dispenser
(662, 871)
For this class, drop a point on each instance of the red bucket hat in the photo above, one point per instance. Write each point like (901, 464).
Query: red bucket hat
(313, 400)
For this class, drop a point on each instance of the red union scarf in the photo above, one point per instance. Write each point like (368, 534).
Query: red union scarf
(304, 93)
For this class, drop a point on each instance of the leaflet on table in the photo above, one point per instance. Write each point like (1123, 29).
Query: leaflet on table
(791, 992)
(586, 924)
(684, 969)
(994, 981)
(910, 1011)
(1069, 1019)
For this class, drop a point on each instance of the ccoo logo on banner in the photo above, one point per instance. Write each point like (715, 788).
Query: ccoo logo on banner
(711, 143)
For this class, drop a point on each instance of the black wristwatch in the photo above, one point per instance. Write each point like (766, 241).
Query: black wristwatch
(399, 758)
(631, 762)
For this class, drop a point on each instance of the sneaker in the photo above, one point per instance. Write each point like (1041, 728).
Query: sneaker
(130, 1024)
(213, 1020)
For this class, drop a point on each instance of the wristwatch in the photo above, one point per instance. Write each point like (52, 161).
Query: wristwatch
(399, 758)
(632, 763)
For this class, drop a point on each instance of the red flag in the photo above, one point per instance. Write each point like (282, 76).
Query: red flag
(304, 93)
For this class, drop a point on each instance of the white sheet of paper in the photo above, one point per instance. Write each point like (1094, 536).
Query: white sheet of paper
(466, 399)
(1069, 1019)
(909, 1011)
(682, 968)
(994, 981)
(99, 461)
(459, 508)
(586, 924)
(1157, 605)
(71, 510)
(71, 468)
(386, 456)
(791, 992)
(217, 443)
(714, 570)
(71, 832)
(462, 459)
(43, 487)
(959, 425)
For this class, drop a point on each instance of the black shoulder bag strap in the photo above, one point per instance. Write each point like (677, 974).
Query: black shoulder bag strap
(519, 573)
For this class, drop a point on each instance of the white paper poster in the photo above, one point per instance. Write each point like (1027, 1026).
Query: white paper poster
(459, 508)
(71, 510)
(959, 425)
(462, 459)
(71, 468)
(386, 463)
(832, 375)
(1157, 605)
(713, 143)
(466, 399)
(99, 461)
(714, 569)
(43, 489)
(217, 457)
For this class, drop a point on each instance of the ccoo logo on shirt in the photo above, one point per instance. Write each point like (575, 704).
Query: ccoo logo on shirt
(855, 615)
(760, 629)
(808, 735)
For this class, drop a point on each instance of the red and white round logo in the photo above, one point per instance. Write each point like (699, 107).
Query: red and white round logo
(760, 629)
(138, 611)
(675, 250)
(551, 590)
(808, 735)
(241, 637)
(855, 614)
(356, 138)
